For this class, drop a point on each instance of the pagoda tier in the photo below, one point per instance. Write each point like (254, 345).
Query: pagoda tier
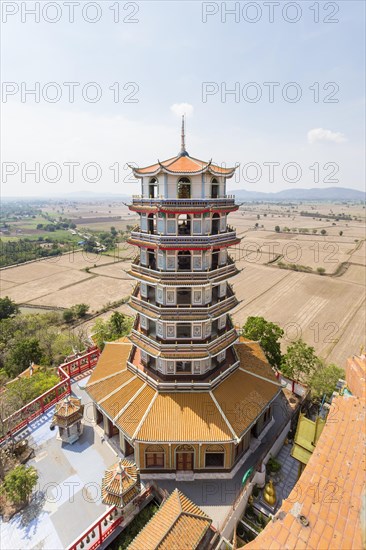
(223, 205)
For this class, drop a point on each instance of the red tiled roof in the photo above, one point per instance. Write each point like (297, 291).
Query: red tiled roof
(330, 492)
(356, 375)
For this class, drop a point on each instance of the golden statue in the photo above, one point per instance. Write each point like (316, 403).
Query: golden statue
(269, 493)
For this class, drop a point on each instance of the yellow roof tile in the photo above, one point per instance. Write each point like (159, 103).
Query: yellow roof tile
(184, 416)
(102, 388)
(112, 360)
(134, 413)
(253, 359)
(116, 402)
(179, 523)
(242, 398)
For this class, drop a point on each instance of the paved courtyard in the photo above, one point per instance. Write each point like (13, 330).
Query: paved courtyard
(68, 499)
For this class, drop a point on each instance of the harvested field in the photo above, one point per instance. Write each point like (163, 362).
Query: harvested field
(4, 285)
(96, 291)
(26, 292)
(33, 271)
(116, 270)
(355, 274)
(317, 309)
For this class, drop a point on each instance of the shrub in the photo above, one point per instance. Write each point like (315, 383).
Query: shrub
(19, 483)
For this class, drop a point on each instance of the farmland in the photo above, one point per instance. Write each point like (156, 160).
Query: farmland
(304, 272)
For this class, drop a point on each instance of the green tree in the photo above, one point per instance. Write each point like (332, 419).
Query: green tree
(68, 315)
(323, 232)
(320, 270)
(118, 325)
(8, 308)
(300, 362)
(268, 335)
(277, 229)
(324, 380)
(80, 310)
(21, 355)
(340, 233)
(19, 483)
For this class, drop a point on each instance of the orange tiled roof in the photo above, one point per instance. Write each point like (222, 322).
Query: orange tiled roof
(179, 523)
(330, 492)
(183, 164)
(356, 375)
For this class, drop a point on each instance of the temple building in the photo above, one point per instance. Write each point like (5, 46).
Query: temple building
(185, 393)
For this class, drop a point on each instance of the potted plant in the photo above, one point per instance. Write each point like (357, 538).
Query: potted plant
(249, 511)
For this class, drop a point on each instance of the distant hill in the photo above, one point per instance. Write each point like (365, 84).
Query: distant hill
(314, 194)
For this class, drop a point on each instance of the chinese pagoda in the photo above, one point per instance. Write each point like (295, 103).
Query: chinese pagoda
(185, 393)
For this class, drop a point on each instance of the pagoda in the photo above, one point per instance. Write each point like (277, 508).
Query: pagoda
(185, 393)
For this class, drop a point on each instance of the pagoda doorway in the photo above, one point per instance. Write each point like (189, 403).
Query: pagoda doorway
(184, 458)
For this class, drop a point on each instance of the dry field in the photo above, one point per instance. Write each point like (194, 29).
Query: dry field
(327, 311)
(62, 281)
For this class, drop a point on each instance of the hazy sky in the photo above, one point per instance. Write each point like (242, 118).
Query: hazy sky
(295, 70)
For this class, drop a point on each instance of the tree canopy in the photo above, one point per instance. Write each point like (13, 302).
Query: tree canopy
(19, 483)
(268, 335)
(300, 362)
(8, 308)
(115, 327)
(324, 380)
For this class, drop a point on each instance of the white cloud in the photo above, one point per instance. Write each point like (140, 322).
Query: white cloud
(320, 134)
(180, 109)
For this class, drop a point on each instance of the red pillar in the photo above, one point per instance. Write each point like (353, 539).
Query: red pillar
(100, 532)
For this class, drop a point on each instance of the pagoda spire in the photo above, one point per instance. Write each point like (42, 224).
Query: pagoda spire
(183, 151)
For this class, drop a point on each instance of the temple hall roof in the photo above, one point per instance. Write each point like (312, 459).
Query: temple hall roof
(179, 523)
(145, 414)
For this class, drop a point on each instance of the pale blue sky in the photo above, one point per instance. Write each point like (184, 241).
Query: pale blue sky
(169, 53)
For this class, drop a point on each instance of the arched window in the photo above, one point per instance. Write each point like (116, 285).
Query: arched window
(184, 224)
(184, 188)
(153, 188)
(215, 188)
(154, 456)
(215, 456)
